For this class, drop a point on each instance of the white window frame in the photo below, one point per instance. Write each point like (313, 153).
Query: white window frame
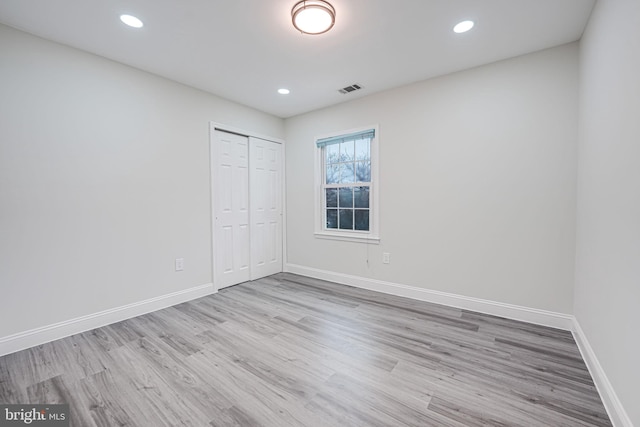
(321, 232)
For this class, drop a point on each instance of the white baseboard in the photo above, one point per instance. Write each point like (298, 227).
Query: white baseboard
(612, 404)
(509, 311)
(34, 337)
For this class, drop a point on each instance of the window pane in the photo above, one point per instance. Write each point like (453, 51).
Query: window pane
(362, 149)
(361, 197)
(362, 219)
(363, 172)
(347, 150)
(347, 186)
(332, 153)
(332, 218)
(332, 197)
(333, 174)
(346, 219)
(346, 173)
(346, 197)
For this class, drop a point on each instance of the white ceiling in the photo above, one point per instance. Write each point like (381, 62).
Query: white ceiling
(244, 50)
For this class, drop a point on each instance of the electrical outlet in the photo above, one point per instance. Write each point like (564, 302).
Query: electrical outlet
(179, 264)
(386, 257)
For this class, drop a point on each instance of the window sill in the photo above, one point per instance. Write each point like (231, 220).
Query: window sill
(362, 238)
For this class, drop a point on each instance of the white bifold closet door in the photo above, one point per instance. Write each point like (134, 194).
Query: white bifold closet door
(247, 196)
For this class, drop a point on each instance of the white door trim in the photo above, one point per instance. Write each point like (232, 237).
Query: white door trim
(231, 129)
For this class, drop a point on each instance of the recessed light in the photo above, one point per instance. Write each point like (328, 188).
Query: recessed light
(463, 27)
(284, 91)
(131, 21)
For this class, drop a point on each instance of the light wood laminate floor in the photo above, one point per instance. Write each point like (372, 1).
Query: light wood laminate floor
(293, 351)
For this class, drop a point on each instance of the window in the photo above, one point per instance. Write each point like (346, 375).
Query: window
(346, 186)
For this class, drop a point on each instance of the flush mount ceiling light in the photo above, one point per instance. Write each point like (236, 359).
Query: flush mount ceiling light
(284, 91)
(463, 27)
(313, 16)
(131, 21)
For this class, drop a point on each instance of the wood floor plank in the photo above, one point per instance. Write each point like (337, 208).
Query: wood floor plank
(57, 390)
(11, 391)
(103, 400)
(294, 351)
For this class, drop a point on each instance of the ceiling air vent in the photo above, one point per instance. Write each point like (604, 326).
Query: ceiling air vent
(351, 88)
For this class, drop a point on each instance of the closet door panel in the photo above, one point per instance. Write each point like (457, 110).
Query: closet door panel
(232, 236)
(266, 207)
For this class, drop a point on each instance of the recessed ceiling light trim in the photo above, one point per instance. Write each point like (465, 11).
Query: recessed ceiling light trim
(313, 16)
(131, 21)
(463, 27)
(284, 91)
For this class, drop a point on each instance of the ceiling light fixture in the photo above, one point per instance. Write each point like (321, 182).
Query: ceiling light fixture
(463, 27)
(284, 91)
(131, 21)
(313, 16)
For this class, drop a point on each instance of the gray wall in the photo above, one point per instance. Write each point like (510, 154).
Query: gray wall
(607, 292)
(104, 181)
(477, 182)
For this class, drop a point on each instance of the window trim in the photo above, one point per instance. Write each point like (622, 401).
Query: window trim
(372, 236)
